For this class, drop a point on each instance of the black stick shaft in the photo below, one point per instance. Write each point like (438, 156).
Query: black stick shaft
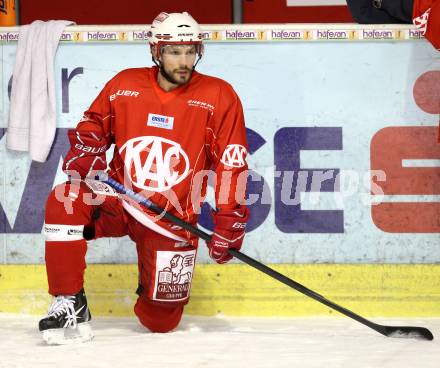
(385, 330)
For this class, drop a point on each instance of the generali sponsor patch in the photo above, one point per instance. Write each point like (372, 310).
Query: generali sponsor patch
(174, 271)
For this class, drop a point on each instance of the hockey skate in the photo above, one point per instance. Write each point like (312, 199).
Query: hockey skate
(67, 320)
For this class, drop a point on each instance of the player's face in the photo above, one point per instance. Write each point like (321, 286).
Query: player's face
(178, 62)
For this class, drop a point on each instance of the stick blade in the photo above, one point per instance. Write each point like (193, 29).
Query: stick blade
(420, 333)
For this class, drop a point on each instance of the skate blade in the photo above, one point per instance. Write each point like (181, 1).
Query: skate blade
(64, 336)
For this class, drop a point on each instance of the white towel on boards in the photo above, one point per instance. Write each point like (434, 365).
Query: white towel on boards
(32, 113)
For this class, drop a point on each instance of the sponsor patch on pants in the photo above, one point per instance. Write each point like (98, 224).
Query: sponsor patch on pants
(174, 271)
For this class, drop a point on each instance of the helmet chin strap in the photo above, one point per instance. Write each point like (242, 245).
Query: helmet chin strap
(199, 58)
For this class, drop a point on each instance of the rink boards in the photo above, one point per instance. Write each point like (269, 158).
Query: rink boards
(238, 290)
(353, 111)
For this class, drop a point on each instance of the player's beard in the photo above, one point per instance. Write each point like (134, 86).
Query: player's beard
(170, 78)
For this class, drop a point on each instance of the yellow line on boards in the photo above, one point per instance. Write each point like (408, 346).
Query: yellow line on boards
(239, 290)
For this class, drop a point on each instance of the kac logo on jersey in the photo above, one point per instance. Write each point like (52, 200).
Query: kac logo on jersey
(421, 22)
(155, 163)
(234, 155)
(160, 121)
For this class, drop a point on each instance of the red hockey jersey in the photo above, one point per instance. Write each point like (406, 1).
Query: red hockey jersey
(426, 16)
(166, 143)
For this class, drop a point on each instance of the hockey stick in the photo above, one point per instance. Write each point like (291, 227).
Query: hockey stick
(390, 331)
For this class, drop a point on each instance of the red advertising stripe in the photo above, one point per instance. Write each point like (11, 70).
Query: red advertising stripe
(403, 217)
(277, 11)
(389, 147)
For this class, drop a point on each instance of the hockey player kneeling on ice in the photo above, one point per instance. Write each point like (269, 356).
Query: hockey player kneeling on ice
(172, 128)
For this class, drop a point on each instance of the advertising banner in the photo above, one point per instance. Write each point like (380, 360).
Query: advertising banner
(343, 145)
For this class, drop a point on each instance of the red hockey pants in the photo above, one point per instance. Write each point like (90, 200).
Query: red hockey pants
(165, 265)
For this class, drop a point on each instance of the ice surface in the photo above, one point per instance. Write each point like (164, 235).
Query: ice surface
(223, 342)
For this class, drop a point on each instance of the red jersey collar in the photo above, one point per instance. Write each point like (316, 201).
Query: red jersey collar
(163, 95)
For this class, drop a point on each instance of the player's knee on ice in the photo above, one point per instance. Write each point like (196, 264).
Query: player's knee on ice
(158, 317)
